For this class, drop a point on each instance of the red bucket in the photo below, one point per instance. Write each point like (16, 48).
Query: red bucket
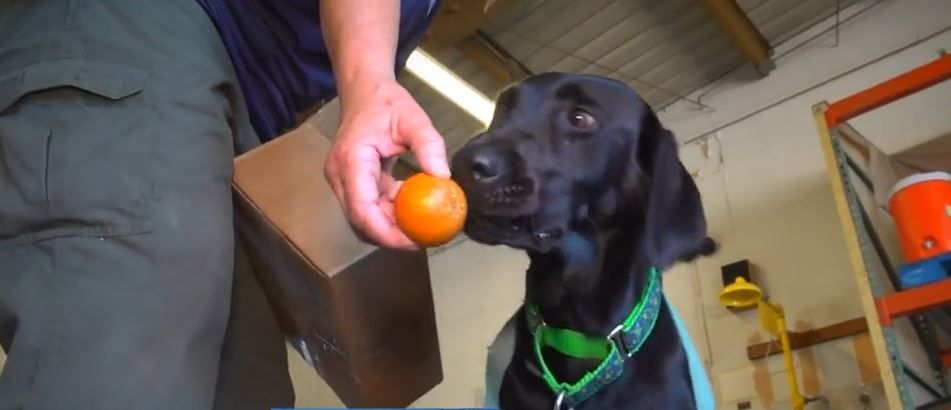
(921, 207)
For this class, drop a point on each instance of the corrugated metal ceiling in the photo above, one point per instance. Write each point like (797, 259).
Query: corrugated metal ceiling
(662, 48)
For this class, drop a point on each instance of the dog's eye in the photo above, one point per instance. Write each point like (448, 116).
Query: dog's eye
(582, 120)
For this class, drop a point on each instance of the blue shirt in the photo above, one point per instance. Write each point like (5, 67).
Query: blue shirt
(278, 52)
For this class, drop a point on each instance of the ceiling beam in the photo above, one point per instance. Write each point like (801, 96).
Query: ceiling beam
(458, 19)
(744, 34)
(456, 25)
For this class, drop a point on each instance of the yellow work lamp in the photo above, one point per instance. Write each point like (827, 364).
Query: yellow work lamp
(742, 294)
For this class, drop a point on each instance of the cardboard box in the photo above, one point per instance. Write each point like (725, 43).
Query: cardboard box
(363, 316)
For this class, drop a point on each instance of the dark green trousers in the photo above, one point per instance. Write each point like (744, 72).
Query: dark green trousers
(120, 284)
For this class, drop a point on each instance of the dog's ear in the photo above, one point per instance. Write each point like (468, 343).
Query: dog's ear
(675, 227)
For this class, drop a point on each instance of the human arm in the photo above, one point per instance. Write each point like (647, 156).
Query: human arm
(379, 119)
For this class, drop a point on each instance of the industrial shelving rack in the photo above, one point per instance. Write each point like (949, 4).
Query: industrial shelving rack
(925, 306)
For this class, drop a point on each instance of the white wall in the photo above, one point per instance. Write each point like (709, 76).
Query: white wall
(767, 195)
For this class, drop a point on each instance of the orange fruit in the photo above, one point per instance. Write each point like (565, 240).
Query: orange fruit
(430, 210)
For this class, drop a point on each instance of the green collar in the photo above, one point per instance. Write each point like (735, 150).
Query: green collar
(612, 350)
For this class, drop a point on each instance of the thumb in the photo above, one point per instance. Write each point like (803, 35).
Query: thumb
(429, 148)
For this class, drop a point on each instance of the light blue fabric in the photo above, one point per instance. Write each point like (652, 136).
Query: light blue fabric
(501, 350)
(702, 391)
(497, 360)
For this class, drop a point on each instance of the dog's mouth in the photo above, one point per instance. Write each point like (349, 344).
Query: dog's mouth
(511, 194)
(518, 231)
(510, 199)
(511, 214)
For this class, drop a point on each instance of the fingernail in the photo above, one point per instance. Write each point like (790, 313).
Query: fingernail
(443, 171)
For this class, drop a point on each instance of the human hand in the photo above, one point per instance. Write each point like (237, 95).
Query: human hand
(380, 120)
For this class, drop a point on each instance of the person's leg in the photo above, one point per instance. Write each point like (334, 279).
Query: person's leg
(118, 120)
(254, 370)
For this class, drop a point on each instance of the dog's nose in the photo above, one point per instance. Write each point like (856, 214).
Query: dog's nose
(485, 167)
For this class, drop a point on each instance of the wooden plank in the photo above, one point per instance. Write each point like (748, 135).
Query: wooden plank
(799, 340)
(861, 275)
(869, 371)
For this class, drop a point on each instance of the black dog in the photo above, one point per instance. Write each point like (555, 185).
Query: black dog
(578, 171)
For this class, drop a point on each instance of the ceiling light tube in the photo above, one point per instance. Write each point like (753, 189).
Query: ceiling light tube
(444, 81)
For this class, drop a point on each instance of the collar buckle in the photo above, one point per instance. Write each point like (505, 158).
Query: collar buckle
(616, 337)
(560, 402)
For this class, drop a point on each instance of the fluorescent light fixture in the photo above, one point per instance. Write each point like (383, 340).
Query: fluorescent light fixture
(459, 92)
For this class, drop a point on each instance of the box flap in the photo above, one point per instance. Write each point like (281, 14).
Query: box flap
(284, 180)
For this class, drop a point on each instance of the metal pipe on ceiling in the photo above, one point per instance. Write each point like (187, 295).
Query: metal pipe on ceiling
(812, 87)
(713, 85)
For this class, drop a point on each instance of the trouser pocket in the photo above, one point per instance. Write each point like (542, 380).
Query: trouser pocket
(74, 155)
